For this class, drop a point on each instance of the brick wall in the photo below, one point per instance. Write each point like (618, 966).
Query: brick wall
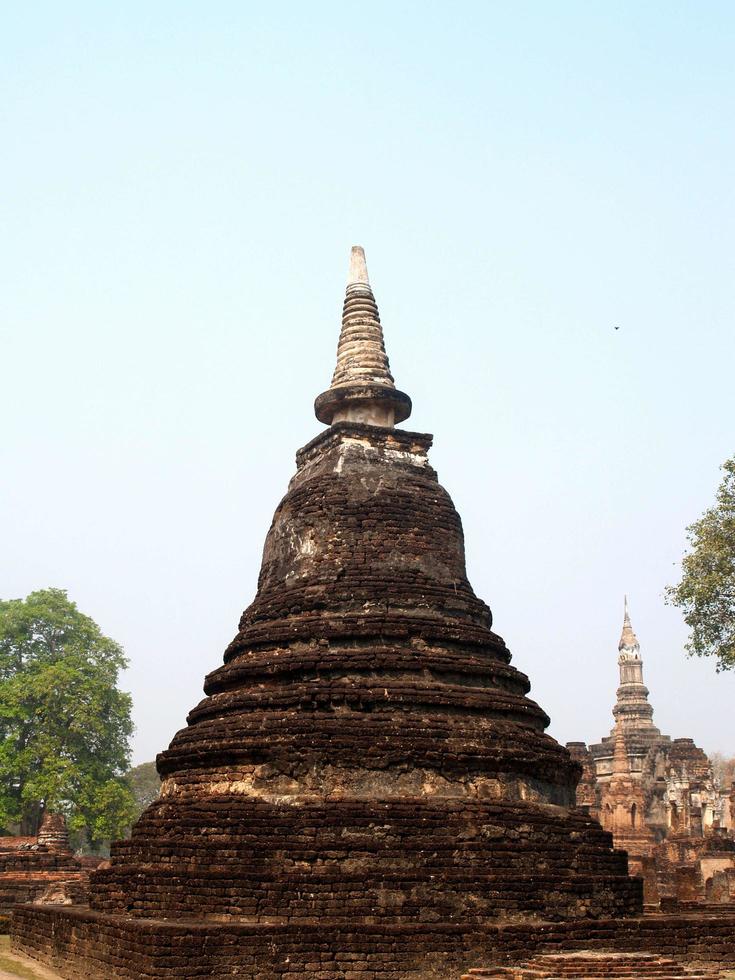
(84, 944)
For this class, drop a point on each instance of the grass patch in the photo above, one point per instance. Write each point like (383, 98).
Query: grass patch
(13, 967)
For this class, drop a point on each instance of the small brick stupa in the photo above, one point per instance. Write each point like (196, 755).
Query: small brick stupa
(366, 785)
(42, 868)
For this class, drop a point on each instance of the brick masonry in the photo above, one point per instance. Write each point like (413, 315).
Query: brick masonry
(80, 944)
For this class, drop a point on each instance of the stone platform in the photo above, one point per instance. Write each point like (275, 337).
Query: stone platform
(84, 945)
(411, 860)
(597, 966)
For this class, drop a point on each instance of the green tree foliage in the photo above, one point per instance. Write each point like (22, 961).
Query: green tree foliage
(64, 725)
(145, 784)
(706, 592)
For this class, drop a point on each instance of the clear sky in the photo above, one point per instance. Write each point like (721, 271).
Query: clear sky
(180, 184)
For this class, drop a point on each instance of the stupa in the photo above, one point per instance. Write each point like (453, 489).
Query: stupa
(659, 797)
(366, 785)
(41, 868)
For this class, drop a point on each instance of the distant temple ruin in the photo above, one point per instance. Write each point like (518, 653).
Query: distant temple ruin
(41, 869)
(659, 797)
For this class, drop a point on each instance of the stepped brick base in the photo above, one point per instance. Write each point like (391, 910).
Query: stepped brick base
(84, 945)
(40, 875)
(696, 908)
(229, 858)
(597, 966)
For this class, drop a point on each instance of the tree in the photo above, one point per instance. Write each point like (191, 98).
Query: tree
(706, 592)
(145, 784)
(723, 768)
(64, 725)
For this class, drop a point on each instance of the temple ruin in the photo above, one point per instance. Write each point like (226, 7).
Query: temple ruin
(659, 797)
(42, 868)
(366, 790)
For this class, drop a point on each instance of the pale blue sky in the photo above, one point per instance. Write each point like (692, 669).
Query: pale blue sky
(181, 184)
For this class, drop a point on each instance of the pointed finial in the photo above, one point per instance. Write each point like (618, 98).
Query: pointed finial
(358, 267)
(628, 639)
(362, 388)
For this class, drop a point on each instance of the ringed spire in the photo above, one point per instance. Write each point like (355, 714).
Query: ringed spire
(362, 388)
(632, 709)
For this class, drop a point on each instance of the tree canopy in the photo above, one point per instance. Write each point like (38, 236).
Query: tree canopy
(706, 592)
(145, 784)
(64, 725)
(723, 768)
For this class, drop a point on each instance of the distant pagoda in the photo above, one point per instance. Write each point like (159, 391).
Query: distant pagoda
(658, 796)
(366, 772)
(632, 711)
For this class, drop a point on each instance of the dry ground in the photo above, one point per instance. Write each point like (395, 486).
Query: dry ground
(15, 967)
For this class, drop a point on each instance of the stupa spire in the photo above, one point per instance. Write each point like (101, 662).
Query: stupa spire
(362, 388)
(358, 267)
(632, 709)
(628, 639)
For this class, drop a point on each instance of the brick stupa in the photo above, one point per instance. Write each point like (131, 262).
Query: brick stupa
(366, 785)
(41, 869)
